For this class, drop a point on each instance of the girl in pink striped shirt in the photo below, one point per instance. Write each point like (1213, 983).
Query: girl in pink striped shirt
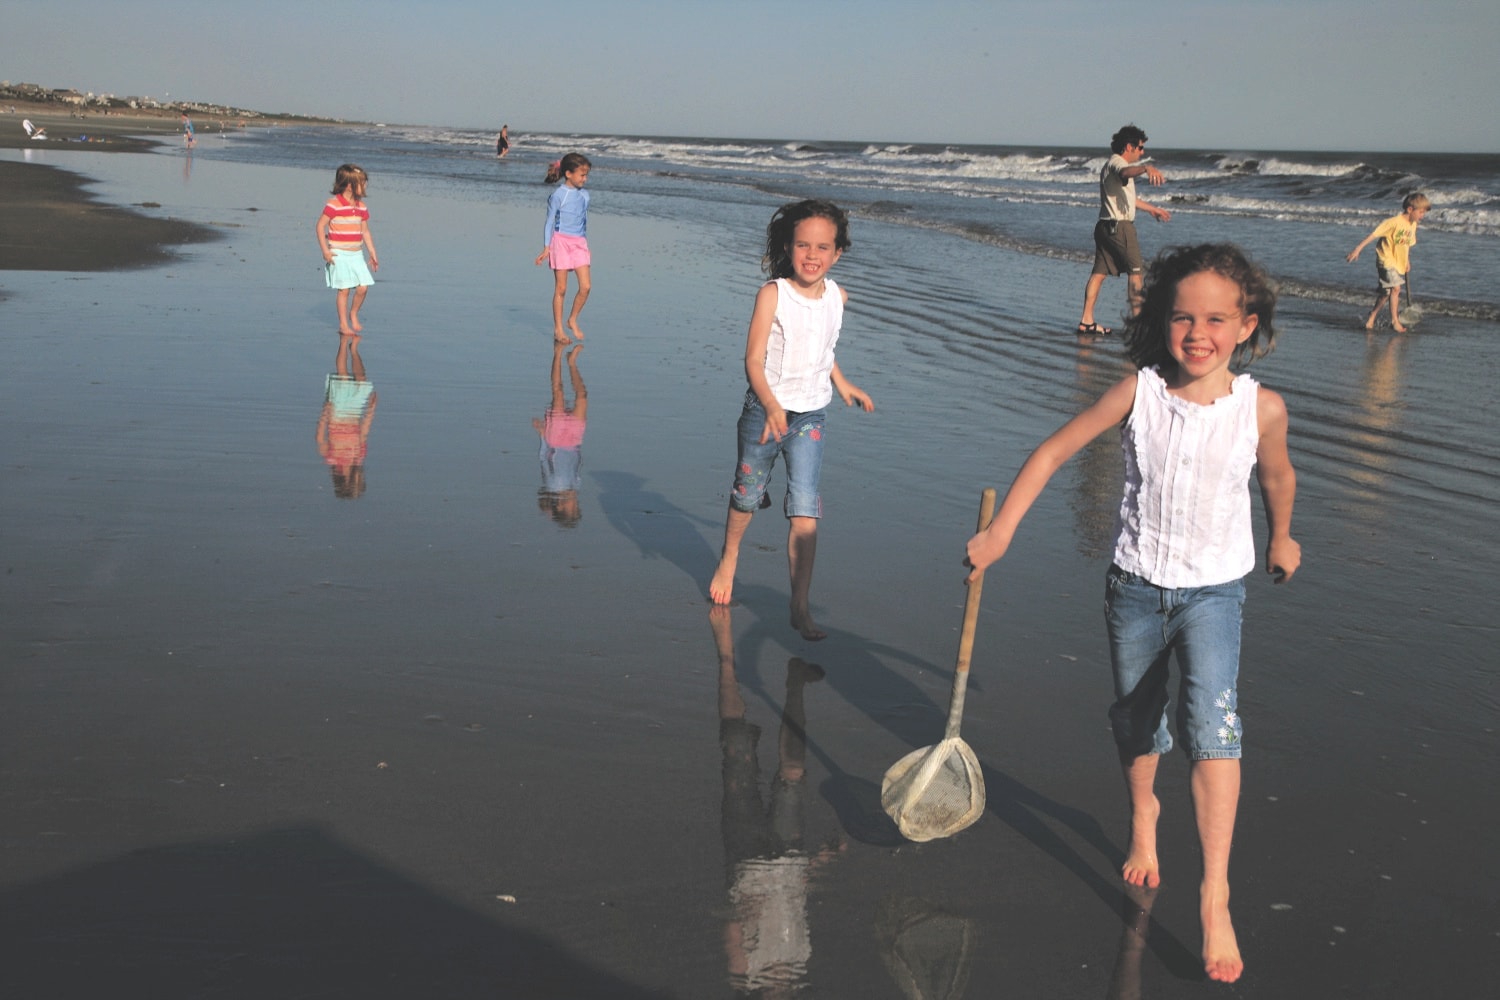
(343, 231)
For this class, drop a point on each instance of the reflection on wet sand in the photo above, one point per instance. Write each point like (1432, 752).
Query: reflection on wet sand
(767, 942)
(1135, 915)
(1096, 469)
(927, 950)
(343, 432)
(1379, 416)
(561, 431)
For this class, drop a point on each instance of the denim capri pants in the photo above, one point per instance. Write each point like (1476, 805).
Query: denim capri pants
(1202, 625)
(801, 450)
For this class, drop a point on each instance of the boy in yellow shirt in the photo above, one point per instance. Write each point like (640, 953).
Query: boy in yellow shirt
(1396, 236)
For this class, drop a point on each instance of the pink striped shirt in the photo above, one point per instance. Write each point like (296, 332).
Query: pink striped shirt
(347, 223)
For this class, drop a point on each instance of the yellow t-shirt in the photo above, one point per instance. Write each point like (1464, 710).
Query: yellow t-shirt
(1396, 236)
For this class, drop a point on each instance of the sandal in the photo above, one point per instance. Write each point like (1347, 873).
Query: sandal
(1093, 330)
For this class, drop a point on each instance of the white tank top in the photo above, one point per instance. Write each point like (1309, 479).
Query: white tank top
(799, 353)
(1185, 516)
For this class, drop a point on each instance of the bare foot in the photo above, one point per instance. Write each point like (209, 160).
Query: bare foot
(344, 331)
(1221, 950)
(1141, 867)
(721, 587)
(1370, 325)
(558, 337)
(573, 325)
(807, 628)
(354, 323)
(1398, 328)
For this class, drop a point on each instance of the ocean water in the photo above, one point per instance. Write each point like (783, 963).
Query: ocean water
(1298, 212)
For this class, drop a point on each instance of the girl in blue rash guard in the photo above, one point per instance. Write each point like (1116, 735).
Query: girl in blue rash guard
(565, 239)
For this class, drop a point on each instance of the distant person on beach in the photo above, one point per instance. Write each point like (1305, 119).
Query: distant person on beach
(1191, 431)
(188, 138)
(343, 231)
(1117, 250)
(790, 366)
(502, 144)
(561, 430)
(565, 239)
(1393, 241)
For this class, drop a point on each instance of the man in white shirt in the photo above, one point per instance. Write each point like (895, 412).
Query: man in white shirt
(1116, 248)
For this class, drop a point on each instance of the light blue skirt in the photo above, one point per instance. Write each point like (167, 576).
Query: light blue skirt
(348, 270)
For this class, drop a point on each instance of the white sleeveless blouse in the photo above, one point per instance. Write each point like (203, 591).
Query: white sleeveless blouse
(1185, 516)
(799, 353)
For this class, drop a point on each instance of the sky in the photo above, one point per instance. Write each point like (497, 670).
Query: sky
(1211, 74)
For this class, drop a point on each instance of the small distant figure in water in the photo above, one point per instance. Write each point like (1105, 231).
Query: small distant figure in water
(188, 139)
(792, 373)
(1191, 430)
(561, 431)
(343, 231)
(1393, 241)
(565, 239)
(502, 144)
(1117, 250)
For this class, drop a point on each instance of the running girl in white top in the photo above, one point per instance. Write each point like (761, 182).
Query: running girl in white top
(1192, 431)
(793, 376)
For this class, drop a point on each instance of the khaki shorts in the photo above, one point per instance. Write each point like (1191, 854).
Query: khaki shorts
(1116, 249)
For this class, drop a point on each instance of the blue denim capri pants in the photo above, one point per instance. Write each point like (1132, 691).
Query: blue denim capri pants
(1202, 625)
(801, 451)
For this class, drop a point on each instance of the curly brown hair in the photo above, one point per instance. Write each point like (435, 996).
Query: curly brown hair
(1146, 331)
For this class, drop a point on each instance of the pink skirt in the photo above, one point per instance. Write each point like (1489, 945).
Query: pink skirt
(568, 252)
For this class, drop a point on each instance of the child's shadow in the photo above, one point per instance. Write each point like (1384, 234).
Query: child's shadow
(660, 529)
(855, 666)
(1022, 809)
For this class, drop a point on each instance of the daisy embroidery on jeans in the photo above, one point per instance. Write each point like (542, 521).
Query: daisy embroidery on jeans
(1229, 732)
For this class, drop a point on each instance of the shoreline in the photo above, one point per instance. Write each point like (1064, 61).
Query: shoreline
(55, 224)
(108, 133)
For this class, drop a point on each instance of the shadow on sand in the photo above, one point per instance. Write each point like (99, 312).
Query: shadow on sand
(280, 913)
(857, 669)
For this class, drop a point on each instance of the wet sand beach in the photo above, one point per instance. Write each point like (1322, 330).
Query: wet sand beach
(52, 224)
(261, 739)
